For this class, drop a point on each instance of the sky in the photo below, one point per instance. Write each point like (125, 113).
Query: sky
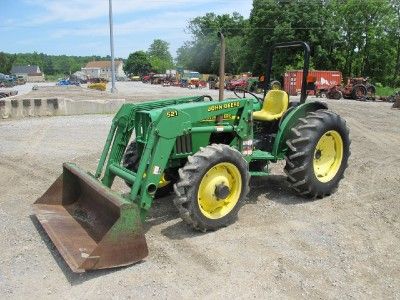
(80, 27)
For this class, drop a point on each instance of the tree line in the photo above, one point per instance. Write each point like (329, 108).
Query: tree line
(156, 59)
(49, 64)
(357, 37)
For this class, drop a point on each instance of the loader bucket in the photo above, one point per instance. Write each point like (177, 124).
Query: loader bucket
(92, 226)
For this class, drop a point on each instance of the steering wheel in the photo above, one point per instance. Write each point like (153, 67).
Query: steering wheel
(202, 97)
(209, 97)
(244, 94)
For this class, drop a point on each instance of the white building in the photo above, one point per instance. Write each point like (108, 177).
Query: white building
(102, 69)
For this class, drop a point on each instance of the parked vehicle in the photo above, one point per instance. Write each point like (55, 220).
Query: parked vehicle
(234, 84)
(359, 89)
(7, 80)
(135, 78)
(65, 82)
(100, 86)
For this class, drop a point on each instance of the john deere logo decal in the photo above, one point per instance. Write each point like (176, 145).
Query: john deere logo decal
(224, 106)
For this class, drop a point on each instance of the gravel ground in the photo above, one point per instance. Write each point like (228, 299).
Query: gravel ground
(343, 246)
(27, 88)
(131, 91)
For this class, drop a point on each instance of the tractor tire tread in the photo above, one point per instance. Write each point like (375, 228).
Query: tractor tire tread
(190, 174)
(299, 157)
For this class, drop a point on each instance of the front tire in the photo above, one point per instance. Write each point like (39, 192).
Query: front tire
(213, 185)
(318, 151)
(131, 161)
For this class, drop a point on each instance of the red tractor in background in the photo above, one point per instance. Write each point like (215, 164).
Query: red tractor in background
(356, 89)
(359, 89)
(147, 78)
(241, 83)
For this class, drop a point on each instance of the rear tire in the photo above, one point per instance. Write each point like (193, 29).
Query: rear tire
(214, 169)
(371, 90)
(359, 92)
(319, 148)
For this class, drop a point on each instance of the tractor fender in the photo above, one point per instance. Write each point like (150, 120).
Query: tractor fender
(289, 119)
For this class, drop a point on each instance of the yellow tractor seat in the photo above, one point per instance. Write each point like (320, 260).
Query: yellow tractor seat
(275, 104)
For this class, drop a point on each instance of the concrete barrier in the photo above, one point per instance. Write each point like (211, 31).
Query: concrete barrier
(21, 108)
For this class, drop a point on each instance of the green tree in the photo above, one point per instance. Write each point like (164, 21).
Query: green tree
(273, 21)
(366, 45)
(202, 53)
(49, 64)
(353, 36)
(159, 55)
(6, 62)
(138, 63)
(394, 33)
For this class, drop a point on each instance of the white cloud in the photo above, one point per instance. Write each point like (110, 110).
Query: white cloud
(172, 21)
(78, 10)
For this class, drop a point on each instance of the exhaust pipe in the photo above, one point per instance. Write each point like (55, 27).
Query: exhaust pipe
(221, 73)
(221, 67)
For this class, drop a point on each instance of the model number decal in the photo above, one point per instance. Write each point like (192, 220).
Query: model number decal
(226, 117)
(224, 106)
(172, 114)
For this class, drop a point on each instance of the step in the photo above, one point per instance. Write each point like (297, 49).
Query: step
(262, 155)
(258, 173)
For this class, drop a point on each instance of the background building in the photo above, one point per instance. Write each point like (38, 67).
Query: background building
(102, 69)
(31, 73)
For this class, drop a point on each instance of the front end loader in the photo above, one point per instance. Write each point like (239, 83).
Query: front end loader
(203, 150)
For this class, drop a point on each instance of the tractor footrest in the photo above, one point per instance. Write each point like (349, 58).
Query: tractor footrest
(262, 155)
(258, 173)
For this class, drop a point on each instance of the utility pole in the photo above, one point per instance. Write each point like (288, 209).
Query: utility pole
(113, 89)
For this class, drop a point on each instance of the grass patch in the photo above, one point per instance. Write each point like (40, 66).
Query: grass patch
(385, 90)
(54, 77)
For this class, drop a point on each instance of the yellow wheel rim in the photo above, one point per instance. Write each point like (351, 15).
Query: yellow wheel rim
(227, 176)
(328, 156)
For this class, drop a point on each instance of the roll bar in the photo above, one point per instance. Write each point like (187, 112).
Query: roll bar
(293, 44)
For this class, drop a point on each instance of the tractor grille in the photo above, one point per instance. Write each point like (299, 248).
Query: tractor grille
(183, 144)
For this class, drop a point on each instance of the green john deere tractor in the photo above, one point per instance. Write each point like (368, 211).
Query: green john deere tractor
(203, 150)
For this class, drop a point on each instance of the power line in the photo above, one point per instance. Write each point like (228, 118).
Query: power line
(211, 29)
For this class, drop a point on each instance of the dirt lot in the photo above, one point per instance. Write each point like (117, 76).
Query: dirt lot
(343, 246)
